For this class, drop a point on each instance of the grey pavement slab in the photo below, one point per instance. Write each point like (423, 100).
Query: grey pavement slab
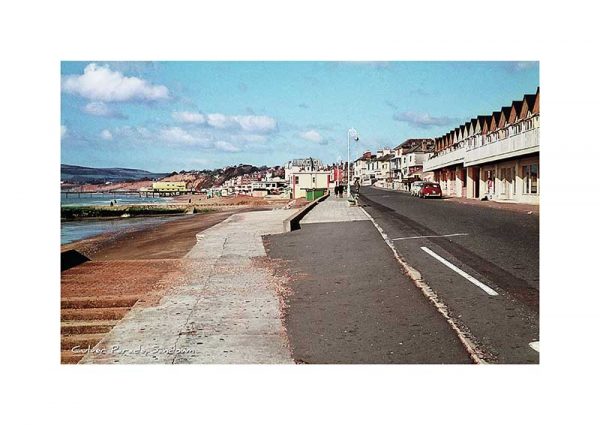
(225, 309)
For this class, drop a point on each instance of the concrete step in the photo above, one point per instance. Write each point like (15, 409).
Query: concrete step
(73, 327)
(85, 314)
(67, 342)
(99, 302)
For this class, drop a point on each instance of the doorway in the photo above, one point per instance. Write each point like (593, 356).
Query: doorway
(476, 176)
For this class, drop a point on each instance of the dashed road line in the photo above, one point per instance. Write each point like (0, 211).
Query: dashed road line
(463, 335)
(535, 345)
(432, 236)
(464, 274)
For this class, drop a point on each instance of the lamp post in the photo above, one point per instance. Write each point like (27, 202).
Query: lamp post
(351, 132)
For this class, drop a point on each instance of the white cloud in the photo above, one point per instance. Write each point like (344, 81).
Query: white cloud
(523, 65)
(258, 123)
(106, 135)
(101, 109)
(100, 83)
(193, 137)
(249, 123)
(177, 135)
(312, 136)
(189, 117)
(226, 146)
(220, 121)
(133, 133)
(63, 131)
(423, 120)
(257, 138)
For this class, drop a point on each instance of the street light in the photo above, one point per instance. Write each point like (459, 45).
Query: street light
(351, 132)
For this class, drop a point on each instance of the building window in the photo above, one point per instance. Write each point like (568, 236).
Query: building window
(314, 179)
(530, 179)
(296, 179)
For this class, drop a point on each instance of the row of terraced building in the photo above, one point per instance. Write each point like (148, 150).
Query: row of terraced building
(492, 156)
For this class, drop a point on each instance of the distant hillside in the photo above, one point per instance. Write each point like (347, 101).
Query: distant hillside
(81, 175)
(125, 178)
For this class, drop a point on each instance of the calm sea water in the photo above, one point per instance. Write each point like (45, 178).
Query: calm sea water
(106, 198)
(71, 231)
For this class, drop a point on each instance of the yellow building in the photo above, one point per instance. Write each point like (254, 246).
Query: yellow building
(169, 187)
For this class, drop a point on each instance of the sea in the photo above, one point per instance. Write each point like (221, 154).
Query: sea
(71, 231)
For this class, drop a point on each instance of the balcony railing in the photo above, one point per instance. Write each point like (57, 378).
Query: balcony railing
(445, 159)
(517, 144)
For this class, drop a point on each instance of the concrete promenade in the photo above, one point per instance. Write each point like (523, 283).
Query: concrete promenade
(334, 210)
(225, 308)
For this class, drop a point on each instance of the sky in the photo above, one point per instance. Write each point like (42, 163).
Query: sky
(172, 116)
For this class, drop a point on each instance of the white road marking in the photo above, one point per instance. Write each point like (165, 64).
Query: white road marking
(433, 236)
(477, 355)
(535, 345)
(466, 275)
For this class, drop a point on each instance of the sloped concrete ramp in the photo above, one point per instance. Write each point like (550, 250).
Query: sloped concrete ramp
(224, 310)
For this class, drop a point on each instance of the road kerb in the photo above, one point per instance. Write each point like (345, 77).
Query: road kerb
(474, 352)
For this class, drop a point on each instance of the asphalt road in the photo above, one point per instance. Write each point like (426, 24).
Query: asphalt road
(498, 248)
(351, 303)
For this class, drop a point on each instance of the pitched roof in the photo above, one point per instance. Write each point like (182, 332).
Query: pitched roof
(386, 157)
(515, 111)
(495, 120)
(504, 116)
(536, 104)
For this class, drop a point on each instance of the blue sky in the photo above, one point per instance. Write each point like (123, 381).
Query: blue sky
(166, 116)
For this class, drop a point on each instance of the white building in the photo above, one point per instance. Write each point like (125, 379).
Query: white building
(407, 163)
(364, 168)
(303, 180)
(493, 156)
(304, 164)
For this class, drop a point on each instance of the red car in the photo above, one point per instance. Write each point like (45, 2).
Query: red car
(430, 190)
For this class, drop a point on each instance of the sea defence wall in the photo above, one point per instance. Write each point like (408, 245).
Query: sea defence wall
(107, 211)
(293, 222)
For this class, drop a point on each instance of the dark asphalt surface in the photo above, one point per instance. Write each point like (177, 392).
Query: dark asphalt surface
(351, 303)
(501, 249)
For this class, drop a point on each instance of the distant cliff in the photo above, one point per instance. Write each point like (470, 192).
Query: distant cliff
(87, 175)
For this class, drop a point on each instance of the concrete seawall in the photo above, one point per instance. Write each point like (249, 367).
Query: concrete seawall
(293, 222)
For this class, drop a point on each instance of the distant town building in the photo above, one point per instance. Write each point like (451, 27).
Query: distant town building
(365, 168)
(407, 164)
(305, 164)
(303, 181)
(170, 187)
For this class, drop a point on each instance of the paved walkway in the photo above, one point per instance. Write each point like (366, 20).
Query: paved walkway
(333, 210)
(225, 309)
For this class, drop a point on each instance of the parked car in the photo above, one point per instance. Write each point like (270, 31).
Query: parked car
(430, 190)
(415, 188)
